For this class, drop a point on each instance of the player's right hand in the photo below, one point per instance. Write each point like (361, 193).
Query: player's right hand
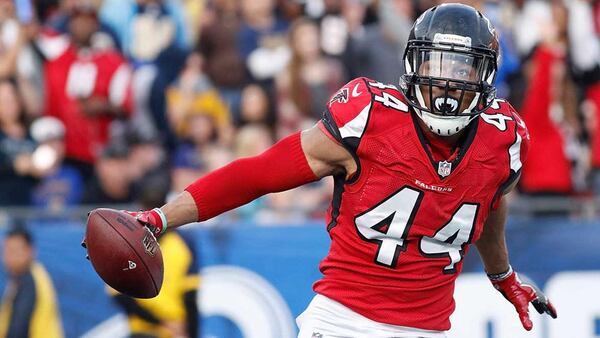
(153, 219)
(520, 295)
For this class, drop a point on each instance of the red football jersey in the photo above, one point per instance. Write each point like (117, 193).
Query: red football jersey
(73, 75)
(401, 225)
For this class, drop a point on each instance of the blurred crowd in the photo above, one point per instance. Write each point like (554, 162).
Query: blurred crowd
(117, 101)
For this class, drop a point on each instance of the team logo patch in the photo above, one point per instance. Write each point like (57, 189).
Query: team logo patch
(150, 244)
(444, 168)
(130, 266)
(341, 96)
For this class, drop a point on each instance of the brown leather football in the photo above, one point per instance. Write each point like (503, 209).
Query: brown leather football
(124, 253)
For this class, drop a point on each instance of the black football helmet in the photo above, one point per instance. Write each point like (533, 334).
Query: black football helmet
(451, 61)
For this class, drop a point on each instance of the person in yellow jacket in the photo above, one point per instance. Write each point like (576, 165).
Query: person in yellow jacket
(174, 312)
(29, 307)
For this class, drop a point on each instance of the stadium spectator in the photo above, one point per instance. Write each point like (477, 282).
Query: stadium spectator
(252, 139)
(17, 170)
(29, 306)
(308, 81)
(332, 24)
(193, 11)
(218, 45)
(11, 40)
(191, 157)
(146, 28)
(17, 59)
(261, 39)
(256, 106)
(111, 180)
(174, 312)
(155, 38)
(509, 68)
(584, 51)
(61, 185)
(377, 51)
(147, 159)
(549, 109)
(103, 38)
(122, 166)
(86, 88)
(592, 108)
(192, 94)
(32, 169)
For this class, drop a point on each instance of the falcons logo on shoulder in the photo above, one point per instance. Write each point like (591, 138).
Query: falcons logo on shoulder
(341, 96)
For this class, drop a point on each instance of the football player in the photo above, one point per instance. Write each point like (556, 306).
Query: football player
(420, 174)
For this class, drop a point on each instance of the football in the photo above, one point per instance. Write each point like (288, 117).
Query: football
(124, 253)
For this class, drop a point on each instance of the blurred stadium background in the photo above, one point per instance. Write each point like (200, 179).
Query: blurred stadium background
(123, 103)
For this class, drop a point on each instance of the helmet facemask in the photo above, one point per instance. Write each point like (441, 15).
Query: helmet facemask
(448, 82)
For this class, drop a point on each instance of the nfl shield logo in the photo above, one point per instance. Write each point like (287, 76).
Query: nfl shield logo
(444, 168)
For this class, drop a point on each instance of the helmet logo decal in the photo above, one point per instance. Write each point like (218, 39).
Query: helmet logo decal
(452, 39)
(446, 104)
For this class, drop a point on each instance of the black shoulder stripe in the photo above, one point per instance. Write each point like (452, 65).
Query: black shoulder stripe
(330, 125)
(336, 201)
(349, 143)
(512, 175)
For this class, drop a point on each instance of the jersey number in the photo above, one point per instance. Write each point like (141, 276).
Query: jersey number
(388, 223)
(387, 99)
(391, 101)
(497, 120)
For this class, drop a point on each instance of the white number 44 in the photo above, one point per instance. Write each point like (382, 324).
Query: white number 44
(389, 222)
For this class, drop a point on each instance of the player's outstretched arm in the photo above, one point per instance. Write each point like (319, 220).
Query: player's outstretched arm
(494, 254)
(294, 161)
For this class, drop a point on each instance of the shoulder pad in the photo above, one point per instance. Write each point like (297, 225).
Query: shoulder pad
(347, 103)
(507, 129)
(347, 112)
(501, 112)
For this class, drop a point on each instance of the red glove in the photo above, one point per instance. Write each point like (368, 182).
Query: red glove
(154, 220)
(520, 295)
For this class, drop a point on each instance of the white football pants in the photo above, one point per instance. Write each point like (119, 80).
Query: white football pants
(326, 318)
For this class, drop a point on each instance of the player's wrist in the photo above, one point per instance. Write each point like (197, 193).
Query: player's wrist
(160, 221)
(499, 277)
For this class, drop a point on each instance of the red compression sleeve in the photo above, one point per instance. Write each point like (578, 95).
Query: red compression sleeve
(281, 167)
